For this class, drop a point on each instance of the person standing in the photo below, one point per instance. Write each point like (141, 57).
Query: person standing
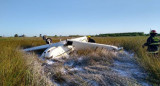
(152, 43)
(48, 40)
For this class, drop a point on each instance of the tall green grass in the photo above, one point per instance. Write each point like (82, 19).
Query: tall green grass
(14, 70)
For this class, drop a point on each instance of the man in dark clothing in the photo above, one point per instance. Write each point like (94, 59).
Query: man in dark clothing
(48, 40)
(153, 43)
(90, 40)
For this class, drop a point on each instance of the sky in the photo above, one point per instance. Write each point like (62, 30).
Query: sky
(78, 17)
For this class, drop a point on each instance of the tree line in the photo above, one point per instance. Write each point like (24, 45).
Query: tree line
(123, 34)
(100, 35)
(16, 35)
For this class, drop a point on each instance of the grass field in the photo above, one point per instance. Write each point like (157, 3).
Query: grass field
(134, 44)
(14, 67)
(15, 71)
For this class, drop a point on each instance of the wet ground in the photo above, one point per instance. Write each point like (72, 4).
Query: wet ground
(126, 66)
(96, 70)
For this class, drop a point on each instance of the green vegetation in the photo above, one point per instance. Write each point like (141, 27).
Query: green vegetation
(74, 35)
(13, 67)
(123, 34)
(134, 44)
(16, 35)
(14, 70)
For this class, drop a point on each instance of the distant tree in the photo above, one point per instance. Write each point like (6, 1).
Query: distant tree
(40, 35)
(55, 36)
(34, 36)
(0, 36)
(16, 35)
(23, 35)
(74, 35)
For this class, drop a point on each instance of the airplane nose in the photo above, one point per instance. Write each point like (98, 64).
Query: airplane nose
(48, 57)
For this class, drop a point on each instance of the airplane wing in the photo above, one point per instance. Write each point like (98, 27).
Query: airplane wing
(81, 39)
(46, 46)
(87, 45)
(56, 50)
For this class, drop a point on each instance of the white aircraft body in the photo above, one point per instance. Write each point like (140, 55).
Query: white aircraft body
(57, 50)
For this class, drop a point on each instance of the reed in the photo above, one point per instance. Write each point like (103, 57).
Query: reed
(15, 71)
(134, 44)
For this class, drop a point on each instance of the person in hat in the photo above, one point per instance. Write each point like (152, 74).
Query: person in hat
(90, 39)
(152, 43)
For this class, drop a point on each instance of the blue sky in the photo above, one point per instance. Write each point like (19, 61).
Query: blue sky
(83, 17)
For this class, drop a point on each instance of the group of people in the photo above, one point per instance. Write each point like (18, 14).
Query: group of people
(152, 43)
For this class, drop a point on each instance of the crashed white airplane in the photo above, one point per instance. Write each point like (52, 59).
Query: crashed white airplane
(56, 50)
